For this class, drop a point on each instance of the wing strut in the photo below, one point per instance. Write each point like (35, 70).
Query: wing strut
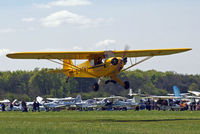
(75, 67)
(147, 58)
(55, 61)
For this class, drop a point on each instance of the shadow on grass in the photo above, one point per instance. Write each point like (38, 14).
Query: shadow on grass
(156, 120)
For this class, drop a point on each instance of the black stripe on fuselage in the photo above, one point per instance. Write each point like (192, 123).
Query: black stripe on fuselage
(97, 66)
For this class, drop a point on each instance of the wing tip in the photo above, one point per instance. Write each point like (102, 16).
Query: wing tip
(9, 55)
(186, 49)
(189, 49)
(12, 55)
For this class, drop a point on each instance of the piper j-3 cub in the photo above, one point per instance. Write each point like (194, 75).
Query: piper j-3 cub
(99, 64)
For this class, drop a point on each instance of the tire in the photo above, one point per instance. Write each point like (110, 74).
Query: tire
(127, 85)
(96, 87)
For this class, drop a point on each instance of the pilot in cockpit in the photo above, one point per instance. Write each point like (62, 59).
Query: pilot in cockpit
(98, 61)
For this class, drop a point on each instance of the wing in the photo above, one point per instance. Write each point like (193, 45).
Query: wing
(149, 52)
(162, 97)
(57, 55)
(94, 54)
(195, 93)
(60, 99)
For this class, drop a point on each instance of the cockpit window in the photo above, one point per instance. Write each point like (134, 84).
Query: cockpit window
(97, 61)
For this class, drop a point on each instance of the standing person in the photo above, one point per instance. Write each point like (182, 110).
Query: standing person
(34, 106)
(24, 108)
(148, 105)
(38, 106)
(159, 104)
(3, 107)
(11, 106)
(194, 105)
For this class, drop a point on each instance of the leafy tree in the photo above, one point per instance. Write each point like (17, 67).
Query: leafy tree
(39, 82)
(193, 87)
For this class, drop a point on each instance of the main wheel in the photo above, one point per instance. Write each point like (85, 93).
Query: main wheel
(127, 85)
(96, 87)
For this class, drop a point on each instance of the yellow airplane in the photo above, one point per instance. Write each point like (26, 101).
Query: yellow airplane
(99, 64)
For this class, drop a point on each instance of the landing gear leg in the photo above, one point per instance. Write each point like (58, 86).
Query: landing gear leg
(99, 80)
(125, 84)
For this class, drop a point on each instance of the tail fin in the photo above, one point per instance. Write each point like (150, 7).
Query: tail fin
(130, 92)
(14, 101)
(139, 91)
(67, 64)
(78, 99)
(176, 91)
(39, 99)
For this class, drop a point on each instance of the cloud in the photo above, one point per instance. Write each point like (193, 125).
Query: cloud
(4, 51)
(77, 48)
(28, 19)
(105, 43)
(64, 3)
(7, 30)
(65, 17)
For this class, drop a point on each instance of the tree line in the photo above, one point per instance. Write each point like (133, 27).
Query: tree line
(39, 82)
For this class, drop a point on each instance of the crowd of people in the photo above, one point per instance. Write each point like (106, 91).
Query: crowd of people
(168, 104)
(21, 106)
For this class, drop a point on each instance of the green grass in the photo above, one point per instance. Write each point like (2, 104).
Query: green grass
(104, 122)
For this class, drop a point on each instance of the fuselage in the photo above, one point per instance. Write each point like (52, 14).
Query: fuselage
(111, 66)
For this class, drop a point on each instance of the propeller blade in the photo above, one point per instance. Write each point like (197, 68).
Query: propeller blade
(108, 54)
(126, 48)
(124, 58)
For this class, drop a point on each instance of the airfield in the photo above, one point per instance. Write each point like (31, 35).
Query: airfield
(98, 122)
(99, 67)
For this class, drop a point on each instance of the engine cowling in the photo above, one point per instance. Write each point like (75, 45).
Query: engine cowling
(114, 61)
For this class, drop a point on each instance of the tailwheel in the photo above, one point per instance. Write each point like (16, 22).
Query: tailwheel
(126, 85)
(95, 87)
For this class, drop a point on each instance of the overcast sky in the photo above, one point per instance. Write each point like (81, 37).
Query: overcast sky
(85, 25)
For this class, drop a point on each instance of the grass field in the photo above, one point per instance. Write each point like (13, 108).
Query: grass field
(105, 122)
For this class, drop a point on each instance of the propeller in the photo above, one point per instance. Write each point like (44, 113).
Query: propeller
(114, 61)
(124, 58)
